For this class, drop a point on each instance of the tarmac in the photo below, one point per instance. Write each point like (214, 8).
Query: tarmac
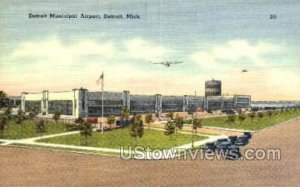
(38, 167)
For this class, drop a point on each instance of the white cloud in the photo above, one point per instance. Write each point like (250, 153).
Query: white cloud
(203, 58)
(233, 51)
(264, 83)
(54, 65)
(143, 50)
(56, 51)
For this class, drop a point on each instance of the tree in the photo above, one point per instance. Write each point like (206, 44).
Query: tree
(170, 129)
(140, 128)
(79, 120)
(239, 111)
(71, 126)
(170, 115)
(7, 113)
(111, 119)
(260, 115)
(40, 127)
(270, 113)
(33, 113)
(231, 118)
(74, 126)
(20, 117)
(252, 116)
(137, 127)
(133, 129)
(56, 116)
(3, 124)
(149, 119)
(241, 117)
(125, 114)
(179, 122)
(3, 99)
(19, 120)
(86, 130)
(197, 123)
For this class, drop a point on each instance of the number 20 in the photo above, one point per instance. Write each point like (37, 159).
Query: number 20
(273, 16)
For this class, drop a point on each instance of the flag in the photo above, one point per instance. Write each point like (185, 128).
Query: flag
(100, 79)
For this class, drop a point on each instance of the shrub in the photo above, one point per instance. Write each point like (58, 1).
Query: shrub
(260, 115)
(72, 126)
(231, 118)
(56, 116)
(40, 127)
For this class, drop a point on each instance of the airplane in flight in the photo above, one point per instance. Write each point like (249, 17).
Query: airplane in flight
(167, 63)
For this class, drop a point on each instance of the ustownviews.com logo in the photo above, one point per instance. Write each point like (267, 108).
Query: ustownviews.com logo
(146, 153)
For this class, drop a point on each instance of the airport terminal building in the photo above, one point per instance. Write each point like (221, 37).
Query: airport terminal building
(84, 103)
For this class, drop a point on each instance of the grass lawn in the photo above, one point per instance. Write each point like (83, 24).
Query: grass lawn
(121, 137)
(257, 123)
(13, 130)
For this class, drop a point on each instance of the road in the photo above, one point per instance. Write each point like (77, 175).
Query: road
(31, 167)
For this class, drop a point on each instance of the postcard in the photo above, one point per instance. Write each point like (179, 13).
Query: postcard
(149, 93)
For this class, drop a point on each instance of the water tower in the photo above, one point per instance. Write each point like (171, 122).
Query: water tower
(213, 88)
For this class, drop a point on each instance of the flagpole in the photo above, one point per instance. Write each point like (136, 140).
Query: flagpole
(102, 110)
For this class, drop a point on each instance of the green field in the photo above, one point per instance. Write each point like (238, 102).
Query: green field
(121, 137)
(28, 130)
(257, 124)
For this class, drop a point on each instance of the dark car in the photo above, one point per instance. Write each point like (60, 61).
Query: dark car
(222, 145)
(209, 147)
(227, 148)
(233, 152)
(242, 140)
(248, 134)
(223, 140)
(118, 123)
(123, 123)
(232, 138)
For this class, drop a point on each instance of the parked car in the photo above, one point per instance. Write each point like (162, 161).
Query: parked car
(233, 152)
(227, 148)
(209, 147)
(222, 144)
(248, 134)
(122, 124)
(233, 139)
(222, 140)
(242, 140)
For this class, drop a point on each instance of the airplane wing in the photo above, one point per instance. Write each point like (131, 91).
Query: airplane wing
(156, 62)
(176, 62)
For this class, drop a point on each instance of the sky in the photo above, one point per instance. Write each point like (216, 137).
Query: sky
(214, 39)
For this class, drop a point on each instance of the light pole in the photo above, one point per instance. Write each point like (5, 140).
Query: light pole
(101, 78)
(192, 129)
(102, 97)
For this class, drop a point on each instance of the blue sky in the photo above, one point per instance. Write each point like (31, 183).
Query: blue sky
(215, 39)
